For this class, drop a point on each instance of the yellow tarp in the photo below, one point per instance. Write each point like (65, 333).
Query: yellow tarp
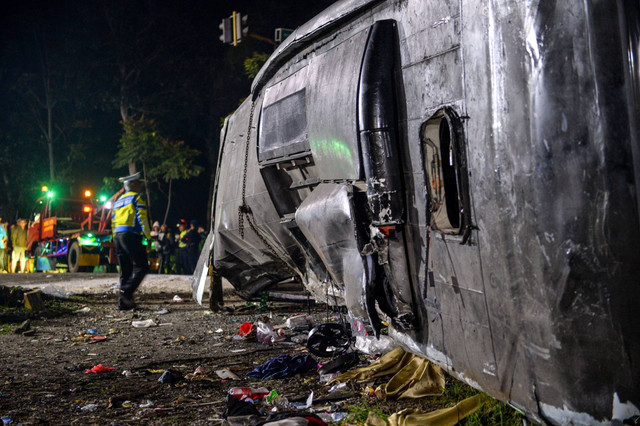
(413, 376)
(444, 417)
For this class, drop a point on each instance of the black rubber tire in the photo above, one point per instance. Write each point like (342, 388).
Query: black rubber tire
(73, 257)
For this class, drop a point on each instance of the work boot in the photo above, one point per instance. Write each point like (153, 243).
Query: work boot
(126, 303)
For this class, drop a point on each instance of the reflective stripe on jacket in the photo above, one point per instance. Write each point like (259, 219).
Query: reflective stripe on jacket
(130, 215)
(182, 243)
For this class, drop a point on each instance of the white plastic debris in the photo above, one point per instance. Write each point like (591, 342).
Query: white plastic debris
(144, 324)
(146, 404)
(299, 321)
(227, 374)
(89, 407)
(178, 299)
(83, 310)
(370, 345)
(337, 387)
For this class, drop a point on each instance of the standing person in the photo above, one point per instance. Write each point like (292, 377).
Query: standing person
(165, 246)
(193, 246)
(4, 239)
(130, 223)
(19, 243)
(183, 258)
(153, 243)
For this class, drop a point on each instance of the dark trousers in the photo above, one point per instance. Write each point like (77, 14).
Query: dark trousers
(183, 261)
(132, 258)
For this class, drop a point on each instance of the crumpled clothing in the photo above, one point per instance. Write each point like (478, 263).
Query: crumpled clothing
(443, 417)
(414, 376)
(283, 366)
(238, 408)
(98, 369)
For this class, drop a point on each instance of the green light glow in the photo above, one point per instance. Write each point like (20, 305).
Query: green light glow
(103, 198)
(88, 240)
(333, 148)
(50, 194)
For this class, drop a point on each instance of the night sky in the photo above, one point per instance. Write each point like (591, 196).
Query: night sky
(85, 59)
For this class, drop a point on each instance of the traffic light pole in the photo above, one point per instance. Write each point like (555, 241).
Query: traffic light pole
(263, 38)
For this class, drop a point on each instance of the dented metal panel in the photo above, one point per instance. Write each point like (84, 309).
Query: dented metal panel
(326, 219)
(532, 293)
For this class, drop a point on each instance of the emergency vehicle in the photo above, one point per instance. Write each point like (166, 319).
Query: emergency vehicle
(70, 233)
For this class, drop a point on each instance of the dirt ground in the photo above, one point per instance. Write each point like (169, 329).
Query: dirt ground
(43, 377)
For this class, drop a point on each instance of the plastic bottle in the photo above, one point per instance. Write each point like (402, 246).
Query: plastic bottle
(249, 393)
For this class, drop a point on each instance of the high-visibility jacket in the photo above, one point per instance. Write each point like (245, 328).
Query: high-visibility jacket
(182, 243)
(130, 215)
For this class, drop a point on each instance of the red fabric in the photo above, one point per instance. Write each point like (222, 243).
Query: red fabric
(245, 328)
(99, 369)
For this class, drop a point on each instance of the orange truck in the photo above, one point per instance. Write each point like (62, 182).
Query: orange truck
(70, 234)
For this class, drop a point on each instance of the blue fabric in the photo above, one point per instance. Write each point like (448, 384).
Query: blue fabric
(3, 235)
(284, 366)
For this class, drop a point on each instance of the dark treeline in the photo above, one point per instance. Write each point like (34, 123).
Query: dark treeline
(72, 71)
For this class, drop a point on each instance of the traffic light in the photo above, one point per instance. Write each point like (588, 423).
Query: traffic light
(240, 28)
(227, 30)
(87, 193)
(234, 28)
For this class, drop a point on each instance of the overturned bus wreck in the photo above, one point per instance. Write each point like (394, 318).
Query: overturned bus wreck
(467, 171)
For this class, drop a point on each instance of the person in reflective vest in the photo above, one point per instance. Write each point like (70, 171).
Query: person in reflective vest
(183, 257)
(130, 223)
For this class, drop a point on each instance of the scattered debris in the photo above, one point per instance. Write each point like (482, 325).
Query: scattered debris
(237, 408)
(26, 325)
(99, 369)
(144, 324)
(84, 310)
(178, 299)
(283, 366)
(300, 321)
(147, 404)
(170, 377)
(337, 387)
(161, 312)
(340, 364)
(118, 399)
(98, 338)
(328, 340)
(33, 300)
(371, 345)
(89, 407)
(243, 393)
(265, 333)
(227, 374)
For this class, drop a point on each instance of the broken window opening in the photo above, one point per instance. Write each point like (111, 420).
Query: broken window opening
(446, 172)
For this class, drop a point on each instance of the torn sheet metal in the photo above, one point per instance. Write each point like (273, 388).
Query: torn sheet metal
(201, 274)
(325, 218)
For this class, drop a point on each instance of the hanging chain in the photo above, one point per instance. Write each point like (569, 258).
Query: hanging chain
(244, 208)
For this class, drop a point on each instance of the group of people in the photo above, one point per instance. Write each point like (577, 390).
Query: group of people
(177, 252)
(13, 245)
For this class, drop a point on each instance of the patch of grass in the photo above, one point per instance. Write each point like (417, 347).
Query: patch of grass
(358, 413)
(491, 411)
(6, 328)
